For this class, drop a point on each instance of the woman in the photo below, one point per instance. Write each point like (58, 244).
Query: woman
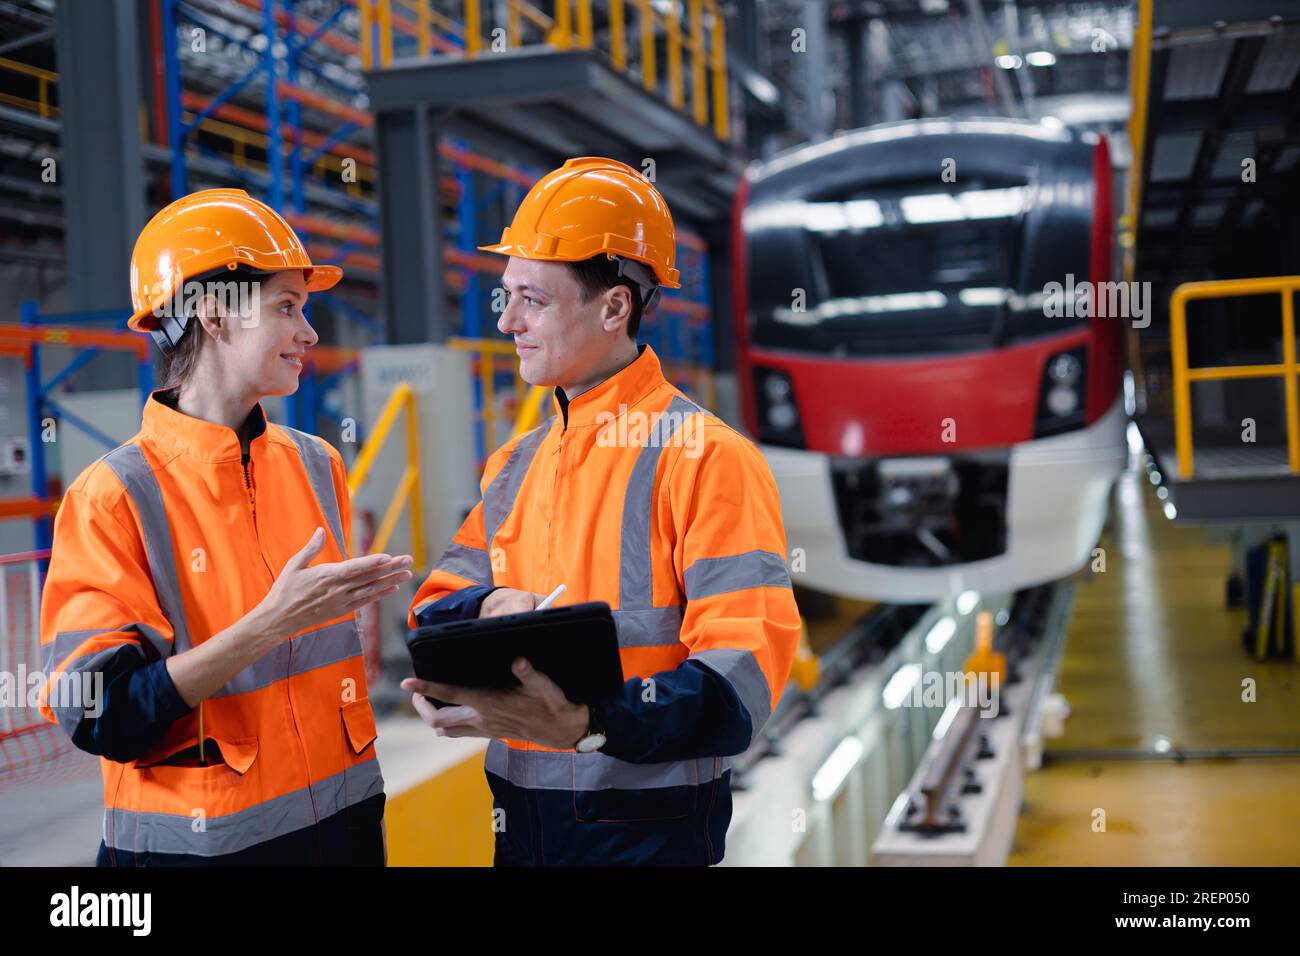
(199, 581)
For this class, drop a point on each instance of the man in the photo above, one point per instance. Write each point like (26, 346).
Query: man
(632, 495)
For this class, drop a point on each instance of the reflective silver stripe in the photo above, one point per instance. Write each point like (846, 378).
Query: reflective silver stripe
(634, 591)
(316, 460)
(499, 498)
(753, 569)
(65, 642)
(740, 669)
(472, 564)
(70, 682)
(132, 469)
(567, 770)
(306, 652)
(173, 833)
(649, 627)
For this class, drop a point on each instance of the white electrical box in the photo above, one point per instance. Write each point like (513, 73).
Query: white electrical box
(440, 378)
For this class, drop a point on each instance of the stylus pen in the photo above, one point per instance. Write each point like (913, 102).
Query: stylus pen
(550, 599)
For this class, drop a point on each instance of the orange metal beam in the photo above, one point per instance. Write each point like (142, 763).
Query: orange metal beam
(325, 104)
(92, 338)
(481, 163)
(695, 310)
(316, 226)
(30, 507)
(330, 358)
(475, 262)
(250, 119)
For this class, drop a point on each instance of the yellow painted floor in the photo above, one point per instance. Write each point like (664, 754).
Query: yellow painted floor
(1153, 653)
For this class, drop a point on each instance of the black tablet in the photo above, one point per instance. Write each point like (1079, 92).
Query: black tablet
(576, 646)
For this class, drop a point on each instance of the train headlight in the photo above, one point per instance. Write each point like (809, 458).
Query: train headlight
(1065, 369)
(1062, 400)
(782, 417)
(778, 414)
(1061, 405)
(776, 387)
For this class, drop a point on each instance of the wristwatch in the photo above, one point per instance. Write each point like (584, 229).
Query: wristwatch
(594, 738)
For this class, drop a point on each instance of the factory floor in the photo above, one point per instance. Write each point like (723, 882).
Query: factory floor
(1153, 666)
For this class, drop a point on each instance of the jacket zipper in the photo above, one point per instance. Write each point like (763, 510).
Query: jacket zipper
(248, 488)
(551, 505)
(246, 462)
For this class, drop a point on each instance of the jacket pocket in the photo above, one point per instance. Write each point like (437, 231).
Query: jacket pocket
(231, 753)
(359, 724)
(628, 804)
(209, 786)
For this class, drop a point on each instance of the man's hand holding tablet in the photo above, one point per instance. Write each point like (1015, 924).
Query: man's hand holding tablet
(537, 710)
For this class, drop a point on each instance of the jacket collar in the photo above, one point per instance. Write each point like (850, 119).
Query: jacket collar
(169, 428)
(615, 395)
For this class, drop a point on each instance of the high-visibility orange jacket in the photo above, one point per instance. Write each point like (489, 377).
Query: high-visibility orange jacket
(633, 495)
(163, 543)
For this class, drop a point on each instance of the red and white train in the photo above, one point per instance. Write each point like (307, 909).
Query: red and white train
(935, 422)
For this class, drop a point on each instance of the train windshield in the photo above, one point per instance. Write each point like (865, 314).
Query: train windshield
(906, 267)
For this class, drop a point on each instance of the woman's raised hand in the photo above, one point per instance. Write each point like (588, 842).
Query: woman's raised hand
(304, 597)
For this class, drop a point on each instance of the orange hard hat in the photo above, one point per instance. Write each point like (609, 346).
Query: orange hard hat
(206, 231)
(592, 205)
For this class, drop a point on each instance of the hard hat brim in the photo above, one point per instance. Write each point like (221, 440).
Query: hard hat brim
(511, 249)
(319, 279)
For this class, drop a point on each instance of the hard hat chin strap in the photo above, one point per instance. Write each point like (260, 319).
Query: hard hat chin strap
(172, 328)
(169, 332)
(645, 279)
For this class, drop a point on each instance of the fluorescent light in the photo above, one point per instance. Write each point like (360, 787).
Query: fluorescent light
(940, 634)
(899, 686)
(1040, 58)
(971, 204)
(967, 600)
(935, 207)
(903, 301)
(982, 296)
(815, 216)
(831, 775)
(992, 203)
(1009, 61)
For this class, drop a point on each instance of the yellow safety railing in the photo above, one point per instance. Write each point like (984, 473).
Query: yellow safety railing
(408, 487)
(573, 26)
(240, 137)
(1285, 286)
(44, 78)
(530, 410)
(488, 351)
(1139, 81)
(1139, 86)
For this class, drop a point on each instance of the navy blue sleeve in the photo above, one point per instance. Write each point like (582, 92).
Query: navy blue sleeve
(138, 704)
(459, 605)
(682, 714)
